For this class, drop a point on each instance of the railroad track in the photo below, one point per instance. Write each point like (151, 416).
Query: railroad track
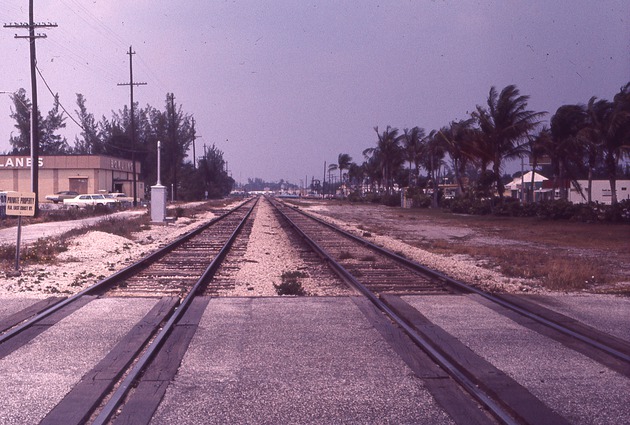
(380, 271)
(182, 271)
(175, 274)
(383, 276)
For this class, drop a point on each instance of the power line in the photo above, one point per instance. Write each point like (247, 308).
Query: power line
(57, 97)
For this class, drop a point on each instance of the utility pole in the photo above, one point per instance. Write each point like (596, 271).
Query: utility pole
(173, 136)
(132, 122)
(195, 137)
(31, 25)
(324, 185)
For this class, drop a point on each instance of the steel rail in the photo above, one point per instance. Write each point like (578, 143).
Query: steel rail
(471, 289)
(121, 274)
(460, 376)
(117, 398)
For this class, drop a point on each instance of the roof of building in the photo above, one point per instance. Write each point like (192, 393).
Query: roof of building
(527, 178)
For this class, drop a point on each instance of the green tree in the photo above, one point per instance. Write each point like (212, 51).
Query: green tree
(50, 142)
(216, 183)
(505, 123)
(90, 142)
(591, 137)
(21, 143)
(612, 121)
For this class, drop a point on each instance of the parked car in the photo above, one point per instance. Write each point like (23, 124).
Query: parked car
(83, 201)
(60, 196)
(120, 197)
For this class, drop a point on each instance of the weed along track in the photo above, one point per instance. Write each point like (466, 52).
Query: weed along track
(197, 333)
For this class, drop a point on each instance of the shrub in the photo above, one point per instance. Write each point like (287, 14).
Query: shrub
(421, 201)
(291, 287)
(466, 205)
(355, 196)
(290, 284)
(617, 213)
(391, 200)
(510, 207)
(43, 250)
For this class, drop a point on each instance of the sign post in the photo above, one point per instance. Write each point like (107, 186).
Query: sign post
(20, 204)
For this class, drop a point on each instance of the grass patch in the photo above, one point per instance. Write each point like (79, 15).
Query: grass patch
(345, 255)
(570, 275)
(124, 227)
(48, 216)
(556, 270)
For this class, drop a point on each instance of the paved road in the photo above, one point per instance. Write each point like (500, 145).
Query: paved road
(310, 360)
(33, 232)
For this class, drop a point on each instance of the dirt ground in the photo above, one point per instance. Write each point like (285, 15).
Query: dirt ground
(497, 254)
(562, 255)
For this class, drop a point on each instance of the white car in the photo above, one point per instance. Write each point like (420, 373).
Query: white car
(83, 201)
(120, 197)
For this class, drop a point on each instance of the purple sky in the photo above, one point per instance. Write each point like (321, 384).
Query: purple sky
(282, 86)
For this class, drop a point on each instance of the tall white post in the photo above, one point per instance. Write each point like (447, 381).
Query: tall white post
(159, 154)
(158, 195)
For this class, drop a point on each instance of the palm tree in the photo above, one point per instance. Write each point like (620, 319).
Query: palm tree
(433, 159)
(343, 163)
(356, 175)
(565, 151)
(387, 153)
(459, 138)
(373, 170)
(537, 148)
(504, 123)
(412, 148)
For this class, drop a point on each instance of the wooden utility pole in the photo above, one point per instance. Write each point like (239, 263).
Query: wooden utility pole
(173, 136)
(195, 137)
(132, 124)
(31, 26)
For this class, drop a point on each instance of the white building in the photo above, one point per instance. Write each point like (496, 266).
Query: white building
(515, 187)
(600, 191)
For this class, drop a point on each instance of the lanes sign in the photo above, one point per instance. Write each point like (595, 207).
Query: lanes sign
(21, 203)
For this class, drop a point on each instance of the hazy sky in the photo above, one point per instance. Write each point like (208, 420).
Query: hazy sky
(282, 86)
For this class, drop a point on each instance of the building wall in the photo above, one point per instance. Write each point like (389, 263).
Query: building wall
(600, 192)
(100, 173)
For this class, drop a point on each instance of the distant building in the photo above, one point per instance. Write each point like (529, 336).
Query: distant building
(541, 190)
(600, 191)
(81, 173)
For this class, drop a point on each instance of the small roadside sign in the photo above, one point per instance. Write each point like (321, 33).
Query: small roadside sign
(21, 203)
